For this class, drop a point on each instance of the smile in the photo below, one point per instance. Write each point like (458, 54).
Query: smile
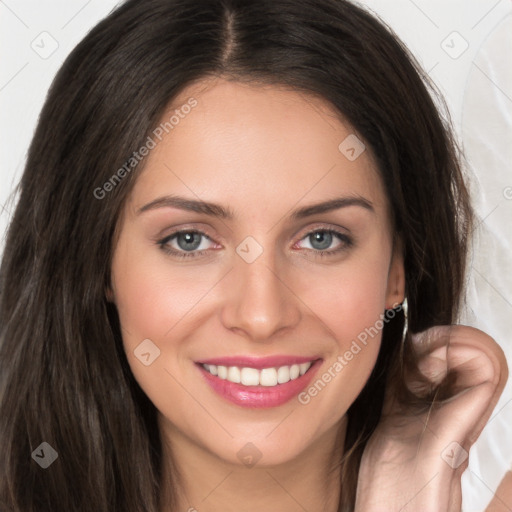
(259, 383)
(254, 377)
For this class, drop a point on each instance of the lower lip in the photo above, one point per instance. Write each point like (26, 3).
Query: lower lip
(258, 397)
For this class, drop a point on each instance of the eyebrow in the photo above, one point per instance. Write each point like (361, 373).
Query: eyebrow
(216, 210)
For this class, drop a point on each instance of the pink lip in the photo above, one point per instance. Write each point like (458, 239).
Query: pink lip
(258, 362)
(258, 396)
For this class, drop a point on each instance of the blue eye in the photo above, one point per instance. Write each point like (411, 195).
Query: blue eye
(193, 243)
(188, 241)
(321, 242)
(185, 243)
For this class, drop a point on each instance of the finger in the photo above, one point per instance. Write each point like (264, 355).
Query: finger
(471, 353)
(470, 371)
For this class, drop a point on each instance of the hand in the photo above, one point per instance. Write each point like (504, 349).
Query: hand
(502, 499)
(415, 458)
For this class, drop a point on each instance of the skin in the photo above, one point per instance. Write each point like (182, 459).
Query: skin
(502, 499)
(261, 152)
(415, 458)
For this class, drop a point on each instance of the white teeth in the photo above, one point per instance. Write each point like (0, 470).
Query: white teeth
(283, 374)
(212, 369)
(268, 377)
(222, 372)
(304, 367)
(249, 377)
(294, 371)
(252, 377)
(234, 374)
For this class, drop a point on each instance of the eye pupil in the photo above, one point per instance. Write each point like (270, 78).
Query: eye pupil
(320, 240)
(188, 241)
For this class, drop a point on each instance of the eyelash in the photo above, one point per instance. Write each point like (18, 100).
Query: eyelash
(347, 242)
(181, 254)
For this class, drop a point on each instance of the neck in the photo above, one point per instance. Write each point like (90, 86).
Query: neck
(194, 479)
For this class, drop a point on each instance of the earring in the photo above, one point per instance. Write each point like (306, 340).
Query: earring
(405, 309)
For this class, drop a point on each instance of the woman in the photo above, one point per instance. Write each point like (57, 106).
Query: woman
(233, 218)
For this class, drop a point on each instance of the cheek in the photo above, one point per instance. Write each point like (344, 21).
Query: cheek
(350, 303)
(157, 303)
(349, 299)
(151, 297)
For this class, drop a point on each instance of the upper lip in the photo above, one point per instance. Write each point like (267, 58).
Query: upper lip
(258, 362)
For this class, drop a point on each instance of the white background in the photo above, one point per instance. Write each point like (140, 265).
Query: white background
(36, 37)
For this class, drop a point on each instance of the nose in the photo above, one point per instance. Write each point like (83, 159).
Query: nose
(259, 301)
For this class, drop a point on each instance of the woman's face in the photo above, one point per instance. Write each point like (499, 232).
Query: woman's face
(261, 322)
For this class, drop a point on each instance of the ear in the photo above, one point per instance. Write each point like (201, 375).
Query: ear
(395, 292)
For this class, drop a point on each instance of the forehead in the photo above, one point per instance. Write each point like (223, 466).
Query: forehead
(256, 145)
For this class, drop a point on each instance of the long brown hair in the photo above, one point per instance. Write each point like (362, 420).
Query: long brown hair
(64, 377)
